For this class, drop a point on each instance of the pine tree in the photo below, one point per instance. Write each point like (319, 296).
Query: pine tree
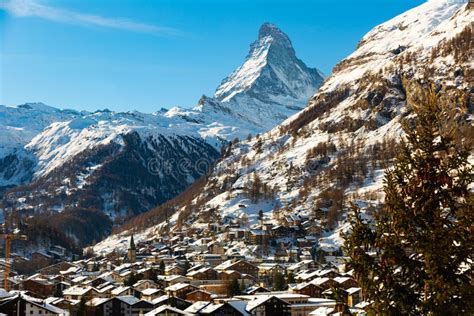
(153, 275)
(161, 269)
(233, 288)
(291, 278)
(186, 267)
(58, 292)
(243, 287)
(131, 280)
(416, 259)
(81, 307)
(279, 283)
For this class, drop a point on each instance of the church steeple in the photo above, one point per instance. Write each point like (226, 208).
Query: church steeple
(132, 243)
(132, 251)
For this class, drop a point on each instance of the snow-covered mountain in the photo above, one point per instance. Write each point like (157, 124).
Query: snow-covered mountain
(271, 85)
(121, 164)
(336, 149)
(18, 127)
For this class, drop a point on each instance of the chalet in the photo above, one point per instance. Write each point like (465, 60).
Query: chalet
(120, 305)
(171, 301)
(255, 289)
(306, 276)
(97, 282)
(290, 298)
(60, 303)
(123, 291)
(332, 293)
(21, 304)
(180, 289)
(199, 295)
(150, 294)
(215, 247)
(325, 283)
(79, 280)
(328, 273)
(219, 289)
(268, 305)
(259, 237)
(310, 289)
(235, 234)
(166, 310)
(228, 275)
(293, 219)
(354, 296)
(136, 306)
(231, 308)
(145, 284)
(205, 273)
(281, 254)
(174, 279)
(317, 307)
(38, 307)
(346, 282)
(301, 266)
(270, 269)
(105, 289)
(242, 266)
(211, 259)
(280, 231)
(77, 292)
(40, 287)
(306, 254)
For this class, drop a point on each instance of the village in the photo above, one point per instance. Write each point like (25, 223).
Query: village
(192, 272)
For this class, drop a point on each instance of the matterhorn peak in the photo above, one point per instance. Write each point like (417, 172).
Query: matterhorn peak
(269, 30)
(271, 72)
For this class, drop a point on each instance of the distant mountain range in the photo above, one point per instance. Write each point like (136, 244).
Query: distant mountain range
(61, 163)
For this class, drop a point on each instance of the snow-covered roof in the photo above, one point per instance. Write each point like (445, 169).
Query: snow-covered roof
(162, 309)
(196, 307)
(178, 286)
(120, 290)
(96, 301)
(353, 290)
(77, 290)
(150, 291)
(128, 299)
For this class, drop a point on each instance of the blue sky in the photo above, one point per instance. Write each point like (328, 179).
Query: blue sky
(144, 55)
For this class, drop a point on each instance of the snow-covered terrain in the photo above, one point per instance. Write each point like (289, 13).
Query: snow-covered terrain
(18, 126)
(335, 150)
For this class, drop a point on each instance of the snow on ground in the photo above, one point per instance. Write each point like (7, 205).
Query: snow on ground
(419, 28)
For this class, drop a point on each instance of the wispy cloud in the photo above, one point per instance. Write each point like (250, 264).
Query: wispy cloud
(32, 8)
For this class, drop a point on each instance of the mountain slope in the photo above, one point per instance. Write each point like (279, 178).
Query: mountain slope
(336, 149)
(18, 127)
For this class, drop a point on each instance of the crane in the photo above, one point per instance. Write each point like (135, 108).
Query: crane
(8, 242)
(9, 237)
